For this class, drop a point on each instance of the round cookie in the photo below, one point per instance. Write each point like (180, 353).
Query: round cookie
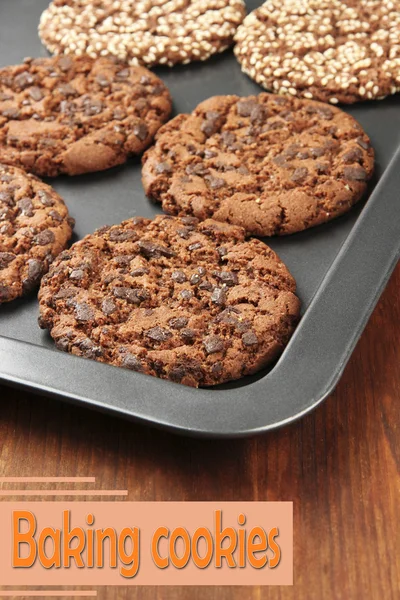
(182, 300)
(328, 50)
(271, 164)
(150, 32)
(34, 228)
(77, 115)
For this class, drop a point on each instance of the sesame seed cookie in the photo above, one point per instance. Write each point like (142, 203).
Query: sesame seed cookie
(271, 164)
(186, 301)
(148, 32)
(77, 115)
(34, 228)
(328, 50)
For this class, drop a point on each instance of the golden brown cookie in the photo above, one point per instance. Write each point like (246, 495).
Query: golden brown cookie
(77, 115)
(150, 32)
(271, 164)
(182, 300)
(34, 227)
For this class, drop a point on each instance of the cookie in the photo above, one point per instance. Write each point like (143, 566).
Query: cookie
(34, 228)
(149, 32)
(186, 301)
(271, 164)
(328, 50)
(77, 115)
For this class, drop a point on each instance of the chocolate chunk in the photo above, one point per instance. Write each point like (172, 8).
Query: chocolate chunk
(24, 80)
(215, 183)
(122, 235)
(45, 198)
(195, 279)
(151, 250)
(218, 296)
(35, 93)
(139, 272)
(83, 312)
(64, 63)
(206, 285)
(249, 338)
(299, 174)
(228, 138)
(363, 143)
(45, 237)
(7, 198)
(353, 155)
(131, 295)
(178, 322)
(227, 277)
(355, 173)
(163, 167)
(158, 334)
(108, 306)
(188, 335)
(186, 294)
(36, 269)
(63, 344)
(26, 207)
(210, 125)
(195, 246)
(213, 344)
(177, 373)
(5, 259)
(141, 131)
(132, 362)
(245, 107)
(179, 276)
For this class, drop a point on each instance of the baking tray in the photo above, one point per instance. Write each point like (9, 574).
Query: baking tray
(341, 269)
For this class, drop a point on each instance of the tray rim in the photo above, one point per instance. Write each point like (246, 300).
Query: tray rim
(28, 368)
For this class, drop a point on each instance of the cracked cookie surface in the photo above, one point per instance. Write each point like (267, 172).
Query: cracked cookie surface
(271, 164)
(34, 228)
(149, 32)
(77, 115)
(329, 50)
(186, 301)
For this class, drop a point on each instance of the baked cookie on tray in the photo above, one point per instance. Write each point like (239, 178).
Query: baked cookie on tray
(186, 301)
(77, 115)
(151, 32)
(34, 228)
(329, 50)
(271, 164)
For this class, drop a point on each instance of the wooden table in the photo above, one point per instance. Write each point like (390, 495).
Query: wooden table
(339, 465)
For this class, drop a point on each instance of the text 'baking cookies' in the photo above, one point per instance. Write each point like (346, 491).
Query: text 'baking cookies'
(186, 301)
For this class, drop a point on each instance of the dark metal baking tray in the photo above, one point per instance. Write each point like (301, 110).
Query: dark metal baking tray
(341, 269)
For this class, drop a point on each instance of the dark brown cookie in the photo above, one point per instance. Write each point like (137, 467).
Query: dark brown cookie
(149, 32)
(34, 228)
(272, 164)
(190, 302)
(330, 50)
(76, 115)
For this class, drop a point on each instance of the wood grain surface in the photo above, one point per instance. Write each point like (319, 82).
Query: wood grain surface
(339, 465)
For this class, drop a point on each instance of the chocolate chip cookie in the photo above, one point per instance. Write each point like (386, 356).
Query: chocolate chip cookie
(270, 163)
(77, 115)
(151, 32)
(182, 300)
(329, 50)
(34, 227)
